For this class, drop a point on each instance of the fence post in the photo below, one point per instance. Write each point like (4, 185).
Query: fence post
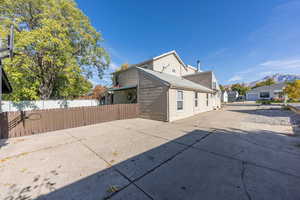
(119, 113)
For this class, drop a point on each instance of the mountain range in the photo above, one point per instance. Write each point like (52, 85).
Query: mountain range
(279, 78)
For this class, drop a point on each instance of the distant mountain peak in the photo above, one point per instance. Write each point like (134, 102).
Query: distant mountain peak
(278, 77)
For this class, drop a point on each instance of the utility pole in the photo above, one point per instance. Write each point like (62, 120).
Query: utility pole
(10, 54)
(0, 78)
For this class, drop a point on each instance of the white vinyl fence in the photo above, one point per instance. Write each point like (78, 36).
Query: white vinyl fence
(8, 106)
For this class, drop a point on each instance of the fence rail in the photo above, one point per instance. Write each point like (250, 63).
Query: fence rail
(21, 123)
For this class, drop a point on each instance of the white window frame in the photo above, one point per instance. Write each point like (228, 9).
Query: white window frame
(196, 102)
(179, 100)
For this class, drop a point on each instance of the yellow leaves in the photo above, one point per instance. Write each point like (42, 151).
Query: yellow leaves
(112, 189)
(293, 89)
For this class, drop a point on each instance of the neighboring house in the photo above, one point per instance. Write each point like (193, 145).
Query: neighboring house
(274, 91)
(224, 98)
(232, 96)
(6, 87)
(166, 88)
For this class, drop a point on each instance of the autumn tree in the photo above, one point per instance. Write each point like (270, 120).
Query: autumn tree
(240, 88)
(97, 93)
(57, 49)
(222, 87)
(122, 67)
(292, 89)
(267, 82)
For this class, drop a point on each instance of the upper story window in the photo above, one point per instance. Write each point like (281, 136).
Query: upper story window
(196, 99)
(214, 85)
(174, 70)
(179, 100)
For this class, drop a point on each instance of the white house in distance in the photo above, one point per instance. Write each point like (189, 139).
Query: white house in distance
(224, 98)
(232, 95)
(166, 88)
(274, 91)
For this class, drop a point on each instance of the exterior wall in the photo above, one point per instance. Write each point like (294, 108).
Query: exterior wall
(253, 96)
(188, 71)
(189, 108)
(172, 63)
(126, 78)
(152, 98)
(224, 97)
(216, 100)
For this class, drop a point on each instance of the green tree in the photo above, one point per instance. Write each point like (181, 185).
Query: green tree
(268, 82)
(293, 89)
(57, 49)
(222, 87)
(240, 88)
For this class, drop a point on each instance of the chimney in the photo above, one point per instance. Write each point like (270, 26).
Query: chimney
(198, 65)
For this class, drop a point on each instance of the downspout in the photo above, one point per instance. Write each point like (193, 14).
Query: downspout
(168, 108)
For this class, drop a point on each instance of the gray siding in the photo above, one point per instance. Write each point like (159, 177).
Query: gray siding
(152, 97)
(126, 78)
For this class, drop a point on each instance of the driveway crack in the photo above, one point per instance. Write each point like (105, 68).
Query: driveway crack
(243, 180)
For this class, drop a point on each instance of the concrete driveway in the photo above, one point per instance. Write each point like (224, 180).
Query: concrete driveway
(241, 152)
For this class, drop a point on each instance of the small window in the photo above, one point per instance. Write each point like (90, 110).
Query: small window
(174, 70)
(196, 99)
(179, 100)
(214, 85)
(264, 95)
(207, 97)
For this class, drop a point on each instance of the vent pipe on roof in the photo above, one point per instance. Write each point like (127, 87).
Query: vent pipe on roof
(198, 65)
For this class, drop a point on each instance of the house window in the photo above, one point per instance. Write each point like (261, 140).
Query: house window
(264, 95)
(196, 99)
(207, 97)
(179, 100)
(214, 85)
(173, 70)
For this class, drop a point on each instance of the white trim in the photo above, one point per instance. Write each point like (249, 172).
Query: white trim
(179, 110)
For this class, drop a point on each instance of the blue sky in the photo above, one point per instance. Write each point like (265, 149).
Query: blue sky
(240, 41)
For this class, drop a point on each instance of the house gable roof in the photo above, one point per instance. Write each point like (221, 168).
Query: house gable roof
(175, 81)
(156, 58)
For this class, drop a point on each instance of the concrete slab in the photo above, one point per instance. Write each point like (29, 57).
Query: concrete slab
(136, 124)
(130, 193)
(177, 134)
(59, 171)
(132, 153)
(86, 132)
(234, 146)
(265, 184)
(195, 175)
(22, 145)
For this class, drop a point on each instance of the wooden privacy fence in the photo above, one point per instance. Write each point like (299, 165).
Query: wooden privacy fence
(21, 123)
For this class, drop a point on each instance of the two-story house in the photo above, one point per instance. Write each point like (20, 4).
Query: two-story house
(166, 88)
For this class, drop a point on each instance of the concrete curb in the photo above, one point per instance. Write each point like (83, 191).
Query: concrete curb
(294, 109)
